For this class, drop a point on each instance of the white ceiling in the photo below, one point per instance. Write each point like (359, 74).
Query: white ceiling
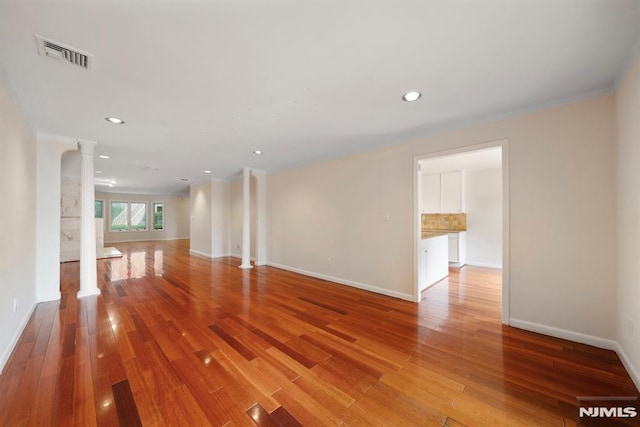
(201, 84)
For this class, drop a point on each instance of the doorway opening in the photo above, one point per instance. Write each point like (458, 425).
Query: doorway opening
(469, 188)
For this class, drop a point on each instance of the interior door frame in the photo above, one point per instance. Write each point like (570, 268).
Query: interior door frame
(504, 145)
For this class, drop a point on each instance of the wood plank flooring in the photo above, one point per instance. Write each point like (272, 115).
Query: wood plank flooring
(176, 339)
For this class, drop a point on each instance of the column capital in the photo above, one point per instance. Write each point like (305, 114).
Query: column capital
(87, 146)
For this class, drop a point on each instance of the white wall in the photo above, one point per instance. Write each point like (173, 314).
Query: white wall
(627, 112)
(235, 188)
(220, 196)
(18, 219)
(200, 212)
(235, 217)
(50, 150)
(176, 217)
(561, 176)
(210, 223)
(484, 217)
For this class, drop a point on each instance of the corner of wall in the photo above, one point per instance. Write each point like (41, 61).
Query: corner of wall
(8, 350)
(564, 334)
(626, 361)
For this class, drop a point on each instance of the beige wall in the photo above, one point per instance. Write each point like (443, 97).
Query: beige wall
(327, 218)
(176, 217)
(627, 109)
(18, 219)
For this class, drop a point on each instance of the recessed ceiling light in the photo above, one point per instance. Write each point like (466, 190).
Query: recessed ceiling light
(207, 171)
(104, 181)
(98, 171)
(184, 179)
(257, 152)
(103, 156)
(114, 120)
(411, 96)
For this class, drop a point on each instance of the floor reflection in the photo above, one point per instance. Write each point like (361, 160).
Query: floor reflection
(130, 266)
(158, 259)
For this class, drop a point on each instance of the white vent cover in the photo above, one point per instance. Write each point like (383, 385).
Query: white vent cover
(59, 51)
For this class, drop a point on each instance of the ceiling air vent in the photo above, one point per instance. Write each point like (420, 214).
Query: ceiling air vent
(56, 50)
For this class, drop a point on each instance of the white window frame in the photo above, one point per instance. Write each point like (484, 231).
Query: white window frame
(129, 203)
(104, 206)
(153, 215)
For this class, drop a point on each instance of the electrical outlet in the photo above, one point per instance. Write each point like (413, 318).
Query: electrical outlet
(237, 245)
(15, 305)
(328, 260)
(630, 327)
(386, 216)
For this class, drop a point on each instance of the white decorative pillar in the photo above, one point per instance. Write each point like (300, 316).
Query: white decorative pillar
(261, 223)
(88, 264)
(246, 219)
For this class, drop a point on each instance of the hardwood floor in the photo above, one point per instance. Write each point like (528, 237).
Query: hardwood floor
(176, 339)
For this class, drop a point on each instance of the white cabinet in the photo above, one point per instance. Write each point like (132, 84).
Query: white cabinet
(430, 193)
(433, 265)
(458, 249)
(451, 192)
(442, 193)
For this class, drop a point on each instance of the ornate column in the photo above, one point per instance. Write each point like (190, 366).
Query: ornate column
(88, 264)
(246, 219)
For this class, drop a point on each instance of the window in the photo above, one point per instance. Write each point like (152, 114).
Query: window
(128, 216)
(138, 216)
(158, 216)
(99, 209)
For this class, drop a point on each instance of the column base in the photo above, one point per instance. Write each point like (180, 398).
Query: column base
(245, 266)
(88, 293)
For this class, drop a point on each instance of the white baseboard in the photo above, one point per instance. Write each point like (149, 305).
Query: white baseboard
(633, 372)
(363, 286)
(54, 296)
(204, 254)
(483, 264)
(564, 334)
(4, 357)
(221, 255)
(208, 255)
(235, 255)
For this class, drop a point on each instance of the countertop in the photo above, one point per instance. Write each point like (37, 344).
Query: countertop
(430, 234)
(427, 234)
